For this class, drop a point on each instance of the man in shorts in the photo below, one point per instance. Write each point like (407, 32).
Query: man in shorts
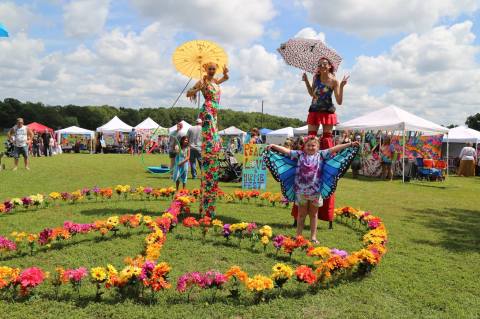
(21, 136)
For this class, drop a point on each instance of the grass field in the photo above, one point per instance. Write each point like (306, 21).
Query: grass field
(430, 271)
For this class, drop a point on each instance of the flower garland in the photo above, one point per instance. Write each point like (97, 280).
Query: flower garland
(144, 272)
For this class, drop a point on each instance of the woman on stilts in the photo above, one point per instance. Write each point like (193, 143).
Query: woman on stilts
(210, 88)
(322, 112)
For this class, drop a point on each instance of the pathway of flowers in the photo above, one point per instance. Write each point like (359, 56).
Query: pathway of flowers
(144, 275)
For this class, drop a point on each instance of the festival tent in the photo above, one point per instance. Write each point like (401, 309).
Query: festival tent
(39, 128)
(392, 118)
(75, 130)
(462, 134)
(184, 129)
(265, 131)
(279, 136)
(232, 131)
(303, 130)
(147, 124)
(115, 125)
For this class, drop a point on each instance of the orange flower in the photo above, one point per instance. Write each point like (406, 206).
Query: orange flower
(305, 274)
(237, 273)
(190, 222)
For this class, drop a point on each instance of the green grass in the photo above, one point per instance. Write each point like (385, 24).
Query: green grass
(430, 271)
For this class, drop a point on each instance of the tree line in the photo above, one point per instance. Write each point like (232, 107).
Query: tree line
(91, 117)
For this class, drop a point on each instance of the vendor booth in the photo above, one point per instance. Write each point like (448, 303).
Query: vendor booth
(184, 130)
(411, 137)
(233, 138)
(458, 136)
(279, 136)
(149, 127)
(114, 135)
(73, 137)
(39, 128)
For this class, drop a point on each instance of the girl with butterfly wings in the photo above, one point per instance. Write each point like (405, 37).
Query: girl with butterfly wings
(308, 176)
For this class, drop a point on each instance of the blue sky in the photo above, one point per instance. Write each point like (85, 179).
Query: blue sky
(395, 51)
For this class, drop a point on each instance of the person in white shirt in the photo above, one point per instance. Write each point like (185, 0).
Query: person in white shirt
(468, 158)
(21, 136)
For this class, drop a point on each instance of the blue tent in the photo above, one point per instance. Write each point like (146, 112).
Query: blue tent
(3, 31)
(265, 131)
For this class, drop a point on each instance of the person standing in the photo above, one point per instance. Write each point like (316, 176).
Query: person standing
(47, 151)
(194, 135)
(211, 145)
(173, 148)
(357, 160)
(132, 140)
(468, 158)
(21, 136)
(36, 145)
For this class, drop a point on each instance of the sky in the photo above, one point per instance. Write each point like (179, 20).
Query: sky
(420, 55)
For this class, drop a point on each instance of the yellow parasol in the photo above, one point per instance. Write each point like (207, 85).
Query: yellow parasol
(189, 57)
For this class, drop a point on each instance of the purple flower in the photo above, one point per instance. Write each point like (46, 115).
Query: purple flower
(213, 279)
(341, 253)
(96, 190)
(147, 190)
(26, 201)
(188, 280)
(6, 244)
(86, 191)
(75, 228)
(76, 275)
(226, 230)
(65, 195)
(147, 269)
(8, 205)
(278, 241)
(44, 236)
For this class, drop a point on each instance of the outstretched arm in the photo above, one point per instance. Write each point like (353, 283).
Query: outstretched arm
(279, 148)
(340, 147)
(225, 75)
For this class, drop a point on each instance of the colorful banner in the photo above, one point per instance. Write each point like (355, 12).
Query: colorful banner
(254, 175)
(69, 140)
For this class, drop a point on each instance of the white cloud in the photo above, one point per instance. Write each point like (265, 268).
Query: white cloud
(372, 18)
(310, 33)
(84, 18)
(232, 21)
(15, 17)
(434, 74)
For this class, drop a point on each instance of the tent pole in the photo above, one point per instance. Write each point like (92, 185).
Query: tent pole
(448, 154)
(403, 157)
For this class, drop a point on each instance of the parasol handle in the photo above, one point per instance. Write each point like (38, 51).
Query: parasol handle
(178, 97)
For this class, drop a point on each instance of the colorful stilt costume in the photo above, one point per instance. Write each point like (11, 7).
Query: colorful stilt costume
(210, 150)
(326, 211)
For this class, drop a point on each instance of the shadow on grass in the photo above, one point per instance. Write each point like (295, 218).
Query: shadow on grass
(438, 185)
(62, 245)
(459, 228)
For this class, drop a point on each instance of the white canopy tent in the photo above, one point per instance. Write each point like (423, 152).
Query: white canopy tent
(303, 130)
(115, 125)
(392, 118)
(147, 124)
(232, 131)
(462, 134)
(279, 136)
(75, 130)
(183, 131)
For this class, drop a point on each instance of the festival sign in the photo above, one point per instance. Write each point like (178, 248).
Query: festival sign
(254, 175)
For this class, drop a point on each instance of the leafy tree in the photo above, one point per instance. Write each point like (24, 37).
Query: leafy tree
(473, 121)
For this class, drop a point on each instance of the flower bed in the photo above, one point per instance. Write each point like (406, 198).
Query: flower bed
(144, 275)
(127, 192)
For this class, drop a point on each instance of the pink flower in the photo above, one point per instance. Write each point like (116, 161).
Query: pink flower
(7, 244)
(30, 278)
(75, 275)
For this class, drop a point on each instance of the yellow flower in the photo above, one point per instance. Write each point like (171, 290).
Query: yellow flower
(259, 283)
(112, 221)
(55, 195)
(266, 231)
(322, 252)
(98, 274)
(217, 223)
(265, 240)
(111, 270)
(281, 271)
(147, 219)
(167, 215)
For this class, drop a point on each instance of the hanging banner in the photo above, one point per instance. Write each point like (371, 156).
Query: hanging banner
(254, 175)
